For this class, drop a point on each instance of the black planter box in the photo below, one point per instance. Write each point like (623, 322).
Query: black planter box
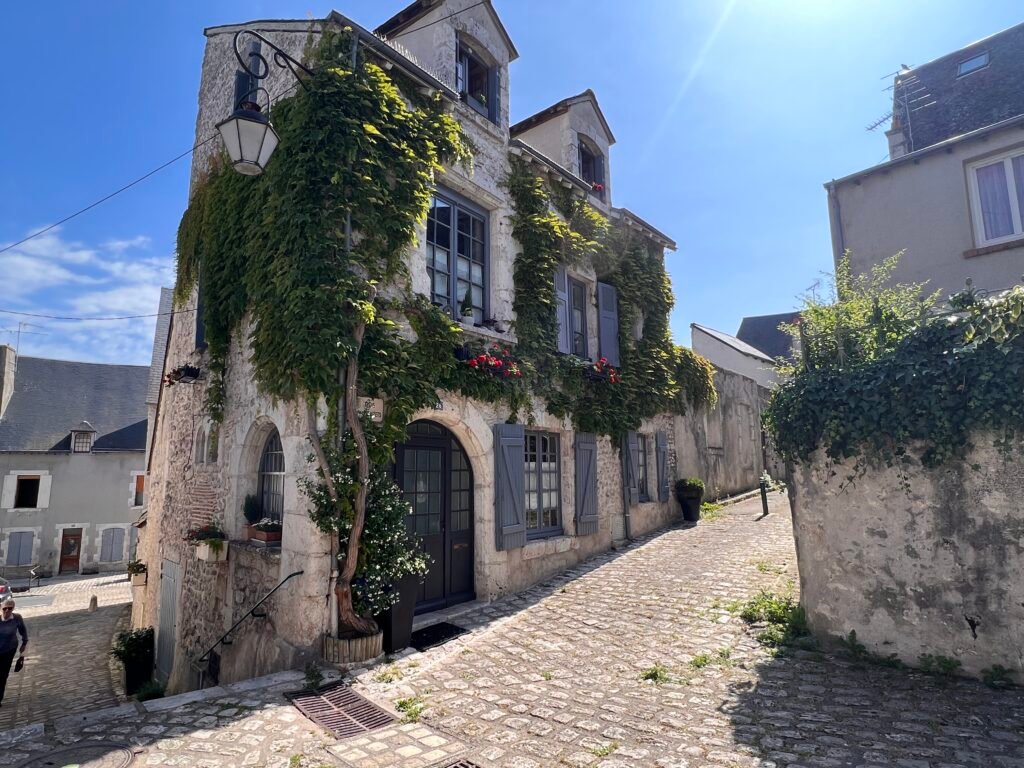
(691, 507)
(396, 622)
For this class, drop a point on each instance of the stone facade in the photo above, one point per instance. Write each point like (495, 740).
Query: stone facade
(185, 491)
(916, 561)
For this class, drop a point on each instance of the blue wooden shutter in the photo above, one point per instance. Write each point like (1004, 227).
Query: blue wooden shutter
(509, 486)
(608, 322)
(586, 484)
(116, 544)
(630, 450)
(661, 459)
(106, 541)
(562, 309)
(19, 548)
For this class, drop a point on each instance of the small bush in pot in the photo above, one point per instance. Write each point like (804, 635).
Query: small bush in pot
(689, 492)
(134, 649)
(267, 529)
(252, 510)
(136, 567)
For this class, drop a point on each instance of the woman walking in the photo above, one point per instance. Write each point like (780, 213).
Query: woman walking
(11, 625)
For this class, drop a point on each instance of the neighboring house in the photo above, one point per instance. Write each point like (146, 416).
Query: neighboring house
(729, 353)
(72, 438)
(762, 332)
(585, 493)
(951, 196)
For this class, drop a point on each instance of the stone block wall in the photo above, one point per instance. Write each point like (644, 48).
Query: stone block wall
(917, 561)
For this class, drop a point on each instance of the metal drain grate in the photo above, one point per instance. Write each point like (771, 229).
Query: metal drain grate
(341, 710)
(462, 764)
(95, 755)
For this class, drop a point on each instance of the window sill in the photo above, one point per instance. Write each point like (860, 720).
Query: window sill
(545, 547)
(488, 333)
(984, 250)
(480, 121)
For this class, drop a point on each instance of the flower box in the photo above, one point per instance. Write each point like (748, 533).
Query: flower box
(138, 579)
(209, 553)
(267, 537)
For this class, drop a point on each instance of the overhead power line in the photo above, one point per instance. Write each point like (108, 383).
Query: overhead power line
(81, 319)
(107, 197)
(438, 21)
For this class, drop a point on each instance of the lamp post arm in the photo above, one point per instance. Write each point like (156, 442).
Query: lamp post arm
(281, 59)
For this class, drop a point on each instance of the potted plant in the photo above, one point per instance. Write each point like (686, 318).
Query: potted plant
(211, 543)
(183, 374)
(266, 530)
(466, 306)
(689, 493)
(134, 649)
(137, 572)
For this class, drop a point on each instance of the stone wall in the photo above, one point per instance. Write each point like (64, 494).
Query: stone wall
(722, 445)
(916, 561)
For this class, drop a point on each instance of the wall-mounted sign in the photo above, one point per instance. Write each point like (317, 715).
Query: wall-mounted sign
(373, 406)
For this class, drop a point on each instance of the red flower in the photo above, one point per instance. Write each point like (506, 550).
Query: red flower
(603, 361)
(474, 363)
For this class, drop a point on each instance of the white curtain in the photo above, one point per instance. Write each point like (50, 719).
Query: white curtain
(995, 201)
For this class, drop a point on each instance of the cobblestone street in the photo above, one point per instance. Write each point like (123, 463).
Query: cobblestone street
(553, 677)
(67, 667)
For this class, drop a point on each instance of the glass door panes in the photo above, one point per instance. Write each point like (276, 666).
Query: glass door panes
(462, 492)
(422, 486)
(470, 263)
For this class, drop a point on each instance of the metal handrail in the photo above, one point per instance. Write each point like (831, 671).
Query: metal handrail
(248, 613)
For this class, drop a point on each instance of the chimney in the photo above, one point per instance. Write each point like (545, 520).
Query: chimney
(897, 141)
(8, 364)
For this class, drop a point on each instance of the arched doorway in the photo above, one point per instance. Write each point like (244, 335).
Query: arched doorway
(434, 472)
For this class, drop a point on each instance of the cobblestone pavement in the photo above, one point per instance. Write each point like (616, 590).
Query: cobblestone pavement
(67, 668)
(552, 678)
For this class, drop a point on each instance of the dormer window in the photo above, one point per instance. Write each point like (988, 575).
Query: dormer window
(81, 437)
(972, 64)
(477, 82)
(592, 168)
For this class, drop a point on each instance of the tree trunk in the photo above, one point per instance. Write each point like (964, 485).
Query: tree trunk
(347, 616)
(348, 619)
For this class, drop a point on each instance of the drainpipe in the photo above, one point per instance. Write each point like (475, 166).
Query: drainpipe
(836, 219)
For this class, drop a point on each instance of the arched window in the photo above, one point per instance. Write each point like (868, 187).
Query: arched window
(212, 448)
(271, 477)
(201, 446)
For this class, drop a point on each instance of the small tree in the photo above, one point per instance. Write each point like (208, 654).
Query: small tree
(862, 318)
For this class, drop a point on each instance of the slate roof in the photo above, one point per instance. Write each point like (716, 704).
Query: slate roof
(415, 11)
(163, 327)
(940, 104)
(762, 332)
(51, 397)
(732, 341)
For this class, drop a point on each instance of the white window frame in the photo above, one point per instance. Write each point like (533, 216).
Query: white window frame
(131, 490)
(8, 492)
(975, 197)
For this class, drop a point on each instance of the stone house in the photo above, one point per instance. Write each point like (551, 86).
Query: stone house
(72, 477)
(454, 467)
(950, 196)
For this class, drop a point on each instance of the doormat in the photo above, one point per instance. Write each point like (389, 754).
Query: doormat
(95, 755)
(340, 710)
(434, 635)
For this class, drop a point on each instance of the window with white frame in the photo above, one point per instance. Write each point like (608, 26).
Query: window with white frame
(457, 257)
(997, 198)
(26, 493)
(543, 485)
(82, 442)
(271, 478)
(139, 491)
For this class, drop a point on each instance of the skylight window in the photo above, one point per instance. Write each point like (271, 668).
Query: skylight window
(972, 64)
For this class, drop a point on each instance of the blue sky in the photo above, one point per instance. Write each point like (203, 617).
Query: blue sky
(729, 115)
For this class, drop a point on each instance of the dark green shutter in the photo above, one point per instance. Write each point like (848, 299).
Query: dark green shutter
(509, 486)
(608, 322)
(661, 457)
(586, 484)
(629, 479)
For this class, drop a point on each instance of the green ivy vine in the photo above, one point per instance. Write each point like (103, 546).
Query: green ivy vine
(553, 227)
(946, 380)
